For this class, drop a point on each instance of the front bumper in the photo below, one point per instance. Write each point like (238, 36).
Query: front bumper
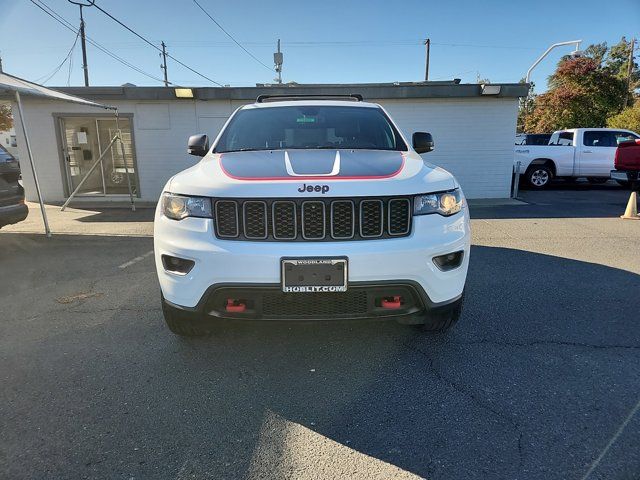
(393, 260)
(13, 214)
(268, 302)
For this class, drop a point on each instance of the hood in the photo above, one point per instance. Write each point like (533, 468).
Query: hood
(290, 173)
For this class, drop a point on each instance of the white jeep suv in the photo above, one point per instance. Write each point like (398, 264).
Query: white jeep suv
(311, 208)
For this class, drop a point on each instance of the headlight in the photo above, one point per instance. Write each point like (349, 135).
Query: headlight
(444, 203)
(178, 207)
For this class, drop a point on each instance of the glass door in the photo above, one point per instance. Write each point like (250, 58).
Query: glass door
(84, 139)
(81, 149)
(114, 171)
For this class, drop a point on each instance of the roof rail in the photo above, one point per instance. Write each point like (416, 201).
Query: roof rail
(354, 97)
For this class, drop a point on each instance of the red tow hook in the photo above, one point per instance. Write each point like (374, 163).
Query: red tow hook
(235, 306)
(391, 302)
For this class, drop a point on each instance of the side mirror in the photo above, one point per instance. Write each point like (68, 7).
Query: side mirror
(198, 145)
(422, 142)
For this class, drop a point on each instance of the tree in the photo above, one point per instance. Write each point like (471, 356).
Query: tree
(628, 119)
(6, 120)
(526, 106)
(581, 94)
(617, 62)
(597, 51)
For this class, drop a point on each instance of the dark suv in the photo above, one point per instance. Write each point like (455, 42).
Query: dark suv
(12, 207)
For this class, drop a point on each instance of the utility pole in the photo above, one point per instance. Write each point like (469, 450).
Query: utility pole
(629, 72)
(427, 43)
(164, 64)
(85, 67)
(0, 63)
(278, 58)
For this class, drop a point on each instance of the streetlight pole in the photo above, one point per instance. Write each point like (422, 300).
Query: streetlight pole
(535, 64)
(85, 67)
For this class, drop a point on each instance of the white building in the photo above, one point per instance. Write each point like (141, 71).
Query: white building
(473, 128)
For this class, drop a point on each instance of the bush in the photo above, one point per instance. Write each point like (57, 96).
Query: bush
(628, 119)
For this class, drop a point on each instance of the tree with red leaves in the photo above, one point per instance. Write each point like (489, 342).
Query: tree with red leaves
(581, 94)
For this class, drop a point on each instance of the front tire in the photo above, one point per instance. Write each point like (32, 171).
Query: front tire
(438, 320)
(539, 176)
(624, 183)
(179, 324)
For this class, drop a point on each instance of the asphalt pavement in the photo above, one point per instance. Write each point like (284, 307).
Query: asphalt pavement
(539, 380)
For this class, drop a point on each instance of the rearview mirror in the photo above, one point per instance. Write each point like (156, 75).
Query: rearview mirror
(422, 142)
(198, 145)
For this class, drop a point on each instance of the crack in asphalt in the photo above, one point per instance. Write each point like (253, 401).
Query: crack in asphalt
(534, 343)
(482, 404)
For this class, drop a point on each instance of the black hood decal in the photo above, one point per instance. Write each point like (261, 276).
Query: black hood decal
(311, 164)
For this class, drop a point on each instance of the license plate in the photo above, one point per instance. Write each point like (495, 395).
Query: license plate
(308, 275)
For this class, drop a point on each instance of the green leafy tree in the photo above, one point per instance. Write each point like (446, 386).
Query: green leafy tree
(6, 120)
(597, 51)
(581, 94)
(526, 106)
(628, 119)
(617, 62)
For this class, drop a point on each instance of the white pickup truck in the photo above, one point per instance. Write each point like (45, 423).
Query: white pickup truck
(572, 153)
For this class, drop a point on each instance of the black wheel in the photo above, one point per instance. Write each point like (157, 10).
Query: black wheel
(443, 319)
(180, 325)
(438, 320)
(539, 176)
(597, 180)
(624, 183)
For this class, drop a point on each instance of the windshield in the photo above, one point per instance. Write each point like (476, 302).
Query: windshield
(309, 127)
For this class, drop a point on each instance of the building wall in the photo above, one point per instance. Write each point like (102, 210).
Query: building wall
(473, 138)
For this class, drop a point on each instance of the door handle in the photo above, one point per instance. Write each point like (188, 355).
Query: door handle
(587, 151)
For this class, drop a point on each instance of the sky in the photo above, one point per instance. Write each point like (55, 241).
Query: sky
(328, 41)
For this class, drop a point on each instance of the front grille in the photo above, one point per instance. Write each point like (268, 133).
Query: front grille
(254, 215)
(312, 220)
(315, 305)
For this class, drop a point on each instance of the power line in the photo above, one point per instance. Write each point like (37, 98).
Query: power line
(61, 20)
(231, 36)
(70, 68)
(49, 76)
(153, 45)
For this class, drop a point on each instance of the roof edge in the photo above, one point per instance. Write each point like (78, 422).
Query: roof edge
(368, 91)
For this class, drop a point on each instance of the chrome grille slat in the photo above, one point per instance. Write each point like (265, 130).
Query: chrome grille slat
(226, 220)
(313, 219)
(343, 219)
(254, 219)
(398, 216)
(371, 218)
(314, 223)
(284, 220)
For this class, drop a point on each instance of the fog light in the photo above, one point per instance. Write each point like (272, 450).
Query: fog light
(449, 261)
(179, 266)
